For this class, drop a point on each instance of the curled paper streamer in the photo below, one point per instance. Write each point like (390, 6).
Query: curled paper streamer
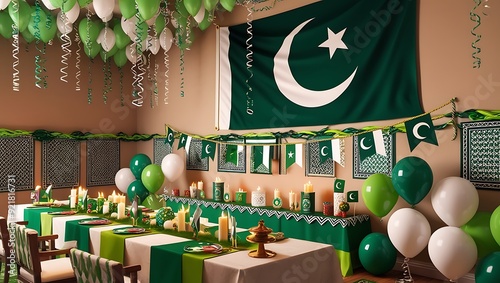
(106, 69)
(477, 19)
(15, 53)
(249, 62)
(266, 8)
(122, 99)
(139, 64)
(77, 63)
(40, 78)
(181, 59)
(165, 14)
(66, 44)
(89, 88)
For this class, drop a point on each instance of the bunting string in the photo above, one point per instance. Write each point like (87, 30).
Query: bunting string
(88, 44)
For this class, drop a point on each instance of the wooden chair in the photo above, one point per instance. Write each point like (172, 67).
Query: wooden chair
(4, 249)
(35, 265)
(91, 268)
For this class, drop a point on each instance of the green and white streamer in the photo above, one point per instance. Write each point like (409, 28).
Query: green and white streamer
(77, 61)
(477, 20)
(15, 49)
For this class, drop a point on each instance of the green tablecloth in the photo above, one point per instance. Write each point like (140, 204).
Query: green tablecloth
(113, 245)
(32, 215)
(166, 262)
(79, 233)
(345, 234)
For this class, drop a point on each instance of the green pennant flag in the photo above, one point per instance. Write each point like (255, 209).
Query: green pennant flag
(232, 153)
(293, 154)
(261, 156)
(208, 149)
(352, 196)
(182, 141)
(170, 137)
(361, 66)
(371, 143)
(420, 129)
(338, 185)
(325, 150)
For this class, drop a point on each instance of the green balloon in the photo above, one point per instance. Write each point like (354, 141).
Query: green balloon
(154, 202)
(181, 9)
(479, 229)
(46, 28)
(27, 36)
(92, 49)
(148, 8)
(120, 57)
(205, 23)
(488, 269)
(105, 56)
(228, 4)
(138, 163)
(84, 3)
(56, 3)
(210, 4)
(377, 254)
(152, 177)
(378, 194)
(192, 6)
(88, 30)
(180, 20)
(67, 5)
(142, 30)
(20, 15)
(185, 38)
(121, 38)
(412, 179)
(127, 8)
(5, 25)
(159, 24)
(137, 188)
(495, 224)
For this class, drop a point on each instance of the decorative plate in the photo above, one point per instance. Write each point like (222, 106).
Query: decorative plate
(277, 203)
(67, 212)
(95, 222)
(204, 247)
(130, 230)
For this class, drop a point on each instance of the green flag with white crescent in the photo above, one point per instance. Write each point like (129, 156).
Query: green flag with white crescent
(170, 137)
(420, 129)
(371, 143)
(325, 150)
(352, 196)
(338, 186)
(326, 63)
(208, 149)
(182, 141)
(232, 153)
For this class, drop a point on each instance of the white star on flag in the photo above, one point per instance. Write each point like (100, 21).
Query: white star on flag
(334, 41)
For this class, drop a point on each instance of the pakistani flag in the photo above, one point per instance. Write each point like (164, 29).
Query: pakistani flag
(420, 129)
(371, 143)
(338, 186)
(293, 154)
(352, 196)
(262, 156)
(182, 141)
(326, 63)
(170, 137)
(208, 149)
(232, 153)
(325, 151)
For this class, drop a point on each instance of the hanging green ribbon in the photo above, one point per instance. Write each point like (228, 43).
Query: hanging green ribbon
(40, 77)
(477, 20)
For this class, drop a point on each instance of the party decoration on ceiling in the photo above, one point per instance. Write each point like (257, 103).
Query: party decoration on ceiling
(77, 61)
(474, 17)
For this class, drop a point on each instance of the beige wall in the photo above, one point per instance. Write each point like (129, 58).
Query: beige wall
(445, 68)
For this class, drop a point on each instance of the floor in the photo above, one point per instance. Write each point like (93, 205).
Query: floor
(390, 277)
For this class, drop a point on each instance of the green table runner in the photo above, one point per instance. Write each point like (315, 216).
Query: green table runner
(113, 245)
(192, 266)
(32, 215)
(79, 233)
(166, 262)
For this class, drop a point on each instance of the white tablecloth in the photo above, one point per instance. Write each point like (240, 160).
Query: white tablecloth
(295, 261)
(138, 251)
(59, 228)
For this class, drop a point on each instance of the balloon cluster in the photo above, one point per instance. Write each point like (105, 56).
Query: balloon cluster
(143, 179)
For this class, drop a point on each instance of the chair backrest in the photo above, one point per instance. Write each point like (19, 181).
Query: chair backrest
(4, 235)
(94, 269)
(24, 255)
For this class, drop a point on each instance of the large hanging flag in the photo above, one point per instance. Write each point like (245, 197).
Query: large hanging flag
(326, 63)
(371, 143)
(293, 154)
(420, 129)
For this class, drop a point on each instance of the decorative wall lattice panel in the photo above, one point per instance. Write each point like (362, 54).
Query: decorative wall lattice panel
(314, 166)
(193, 158)
(481, 154)
(61, 163)
(16, 163)
(160, 150)
(376, 163)
(103, 161)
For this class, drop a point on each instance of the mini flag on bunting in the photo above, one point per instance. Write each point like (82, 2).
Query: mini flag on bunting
(182, 141)
(170, 137)
(338, 185)
(371, 143)
(262, 155)
(338, 153)
(208, 149)
(325, 151)
(420, 129)
(293, 155)
(352, 196)
(195, 223)
(232, 154)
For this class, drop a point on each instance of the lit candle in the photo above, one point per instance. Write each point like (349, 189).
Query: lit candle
(72, 198)
(308, 187)
(105, 207)
(276, 193)
(291, 198)
(114, 198)
(121, 210)
(223, 227)
(181, 219)
(200, 185)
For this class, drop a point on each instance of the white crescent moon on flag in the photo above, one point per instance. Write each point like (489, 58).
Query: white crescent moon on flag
(351, 196)
(170, 136)
(207, 151)
(291, 89)
(337, 186)
(415, 130)
(363, 146)
(322, 153)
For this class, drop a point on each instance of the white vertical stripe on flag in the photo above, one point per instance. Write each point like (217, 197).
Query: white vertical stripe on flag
(336, 151)
(225, 80)
(378, 139)
(298, 154)
(188, 144)
(266, 156)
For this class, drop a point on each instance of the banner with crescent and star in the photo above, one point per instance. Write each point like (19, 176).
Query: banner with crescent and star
(326, 63)
(420, 129)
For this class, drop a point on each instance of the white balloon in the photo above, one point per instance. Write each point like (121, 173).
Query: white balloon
(128, 25)
(151, 21)
(73, 13)
(409, 231)
(153, 44)
(123, 178)
(455, 200)
(47, 4)
(103, 7)
(131, 53)
(201, 13)
(63, 25)
(108, 17)
(106, 38)
(5, 3)
(452, 251)
(166, 39)
(172, 166)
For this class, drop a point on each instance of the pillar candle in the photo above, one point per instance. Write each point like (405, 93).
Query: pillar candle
(73, 198)
(291, 198)
(223, 227)
(105, 207)
(276, 193)
(181, 220)
(308, 187)
(121, 210)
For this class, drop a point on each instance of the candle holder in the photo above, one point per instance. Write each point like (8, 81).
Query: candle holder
(218, 190)
(241, 197)
(307, 201)
(260, 235)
